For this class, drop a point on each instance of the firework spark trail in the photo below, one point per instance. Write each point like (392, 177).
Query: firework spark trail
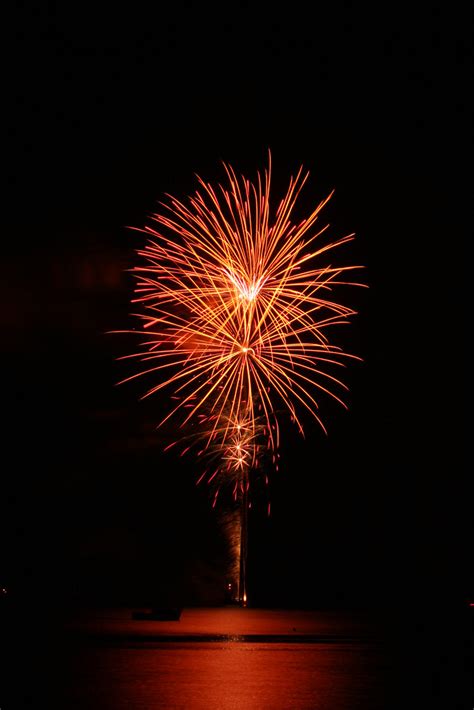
(236, 308)
(235, 449)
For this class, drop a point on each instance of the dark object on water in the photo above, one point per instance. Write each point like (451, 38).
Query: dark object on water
(158, 614)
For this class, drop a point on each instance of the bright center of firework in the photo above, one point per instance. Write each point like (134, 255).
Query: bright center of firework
(249, 293)
(246, 291)
(244, 349)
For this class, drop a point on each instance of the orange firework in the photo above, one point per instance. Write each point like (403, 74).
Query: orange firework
(227, 457)
(235, 305)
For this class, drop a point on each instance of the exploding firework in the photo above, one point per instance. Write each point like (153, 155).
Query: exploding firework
(235, 305)
(236, 449)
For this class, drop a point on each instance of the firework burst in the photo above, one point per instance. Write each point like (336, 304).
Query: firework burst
(235, 303)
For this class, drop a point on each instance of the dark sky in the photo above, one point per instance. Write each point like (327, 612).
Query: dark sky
(106, 112)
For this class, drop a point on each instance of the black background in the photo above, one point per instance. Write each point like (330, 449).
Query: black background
(107, 110)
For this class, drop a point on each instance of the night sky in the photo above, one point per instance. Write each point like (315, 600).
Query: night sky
(108, 111)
